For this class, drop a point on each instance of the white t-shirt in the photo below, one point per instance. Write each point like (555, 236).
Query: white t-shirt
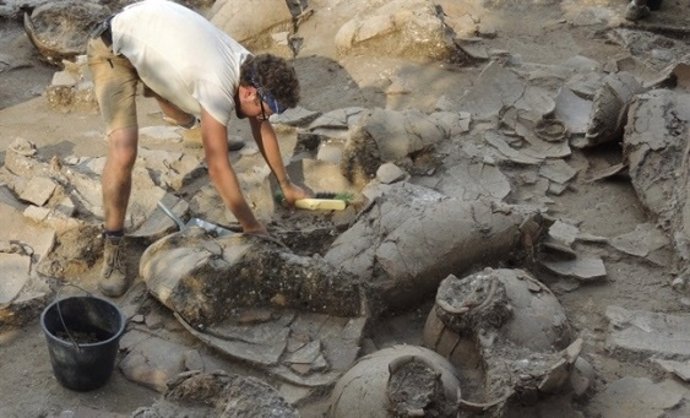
(181, 56)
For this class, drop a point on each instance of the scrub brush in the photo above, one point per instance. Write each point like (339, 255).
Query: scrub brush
(320, 201)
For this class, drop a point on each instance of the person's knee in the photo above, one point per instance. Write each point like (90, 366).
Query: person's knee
(122, 148)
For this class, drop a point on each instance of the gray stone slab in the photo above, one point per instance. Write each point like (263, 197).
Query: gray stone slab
(678, 368)
(637, 397)
(389, 173)
(642, 241)
(15, 274)
(296, 116)
(649, 333)
(38, 190)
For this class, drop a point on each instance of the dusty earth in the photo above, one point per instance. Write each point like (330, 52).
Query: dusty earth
(540, 33)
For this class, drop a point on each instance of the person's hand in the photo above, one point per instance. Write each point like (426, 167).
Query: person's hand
(292, 193)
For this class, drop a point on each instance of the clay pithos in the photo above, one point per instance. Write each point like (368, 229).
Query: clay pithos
(502, 326)
(399, 381)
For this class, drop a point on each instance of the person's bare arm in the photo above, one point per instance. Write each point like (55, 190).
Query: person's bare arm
(267, 141)
(214, 137)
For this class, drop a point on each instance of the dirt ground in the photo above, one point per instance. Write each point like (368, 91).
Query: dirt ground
(538, 33)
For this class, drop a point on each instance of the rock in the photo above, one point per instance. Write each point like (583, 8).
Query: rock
(642, 241)
(151, 361)
(643, 333)
(296, 116)
(678, 368)
(60, 29)
(74, 251)
(72, 88)
(402, 380)
(389, 173)
(38, 190)
(412, 29)
(229, 15)
(16, 269)
(158, 224)
(638, 397)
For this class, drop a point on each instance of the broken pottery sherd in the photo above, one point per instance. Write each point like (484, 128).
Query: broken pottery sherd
(199, 395)
(399, 381)
(610, 108)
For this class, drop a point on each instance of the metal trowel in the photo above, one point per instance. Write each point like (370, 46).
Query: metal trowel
(208, 226)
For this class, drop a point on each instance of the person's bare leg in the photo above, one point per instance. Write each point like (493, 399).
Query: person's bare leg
(116, 180)
(173, 112)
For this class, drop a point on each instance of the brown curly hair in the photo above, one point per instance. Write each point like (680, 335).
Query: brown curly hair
(274, 74)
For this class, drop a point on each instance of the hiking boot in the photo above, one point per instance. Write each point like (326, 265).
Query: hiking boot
(114, 281)
(635, 12)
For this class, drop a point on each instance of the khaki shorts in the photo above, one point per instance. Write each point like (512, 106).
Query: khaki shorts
(115, 84)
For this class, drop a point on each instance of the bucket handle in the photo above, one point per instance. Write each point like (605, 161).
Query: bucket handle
(62, 320)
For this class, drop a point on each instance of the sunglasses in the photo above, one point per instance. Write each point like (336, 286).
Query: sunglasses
(266, 97)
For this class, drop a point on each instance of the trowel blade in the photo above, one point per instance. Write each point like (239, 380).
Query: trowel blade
(208, 226)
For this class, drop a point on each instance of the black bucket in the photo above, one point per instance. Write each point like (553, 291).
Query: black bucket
(83, 334)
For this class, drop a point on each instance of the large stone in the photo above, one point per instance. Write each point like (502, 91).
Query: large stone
(254, 33)
(60, 29)
(413, 29)
(639, 397)
(642, 333)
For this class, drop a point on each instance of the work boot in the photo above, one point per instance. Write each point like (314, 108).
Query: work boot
(635, 12)
(114, 281)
